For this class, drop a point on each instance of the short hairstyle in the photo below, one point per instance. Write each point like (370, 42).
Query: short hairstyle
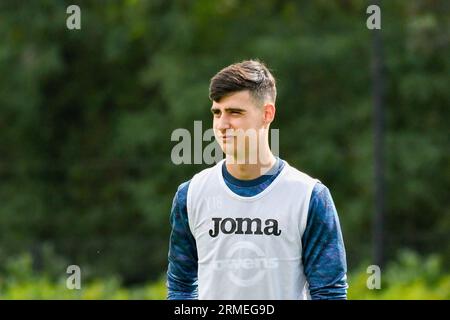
(251, 75)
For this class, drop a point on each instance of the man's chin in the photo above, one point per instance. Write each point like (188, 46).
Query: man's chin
(228, 148)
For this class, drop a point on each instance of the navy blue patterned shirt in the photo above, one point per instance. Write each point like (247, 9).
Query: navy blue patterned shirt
(323, 254)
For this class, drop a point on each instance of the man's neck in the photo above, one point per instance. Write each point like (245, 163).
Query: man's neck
(250, 171)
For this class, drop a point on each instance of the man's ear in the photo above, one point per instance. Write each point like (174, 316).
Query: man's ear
(269, 112)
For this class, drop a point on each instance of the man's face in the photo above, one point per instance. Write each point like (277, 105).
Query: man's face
(234, 115)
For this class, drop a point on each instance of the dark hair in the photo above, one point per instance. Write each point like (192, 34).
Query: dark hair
(250, 75)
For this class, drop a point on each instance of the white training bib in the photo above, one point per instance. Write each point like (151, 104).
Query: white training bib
(250, 247)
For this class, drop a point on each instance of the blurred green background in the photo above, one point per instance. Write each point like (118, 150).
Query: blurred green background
(86, 118)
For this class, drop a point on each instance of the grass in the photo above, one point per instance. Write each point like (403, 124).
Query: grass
(409, 277)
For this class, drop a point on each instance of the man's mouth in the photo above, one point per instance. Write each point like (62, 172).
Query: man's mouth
(226, 137)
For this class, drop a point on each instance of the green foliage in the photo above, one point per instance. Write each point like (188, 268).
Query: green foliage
(410, 277)
(23, 283)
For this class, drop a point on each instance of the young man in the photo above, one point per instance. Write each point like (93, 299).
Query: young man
(252, 226)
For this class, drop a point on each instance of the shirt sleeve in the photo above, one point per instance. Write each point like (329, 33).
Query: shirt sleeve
(182, 257)
(324, 259)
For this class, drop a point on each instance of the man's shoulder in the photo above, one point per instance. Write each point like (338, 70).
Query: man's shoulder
(201, 177)
(184, 187)
(319, 190)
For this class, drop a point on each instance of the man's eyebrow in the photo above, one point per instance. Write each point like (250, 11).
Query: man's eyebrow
(229, 109)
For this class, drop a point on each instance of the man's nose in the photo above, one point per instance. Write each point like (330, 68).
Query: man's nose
(223, 123)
